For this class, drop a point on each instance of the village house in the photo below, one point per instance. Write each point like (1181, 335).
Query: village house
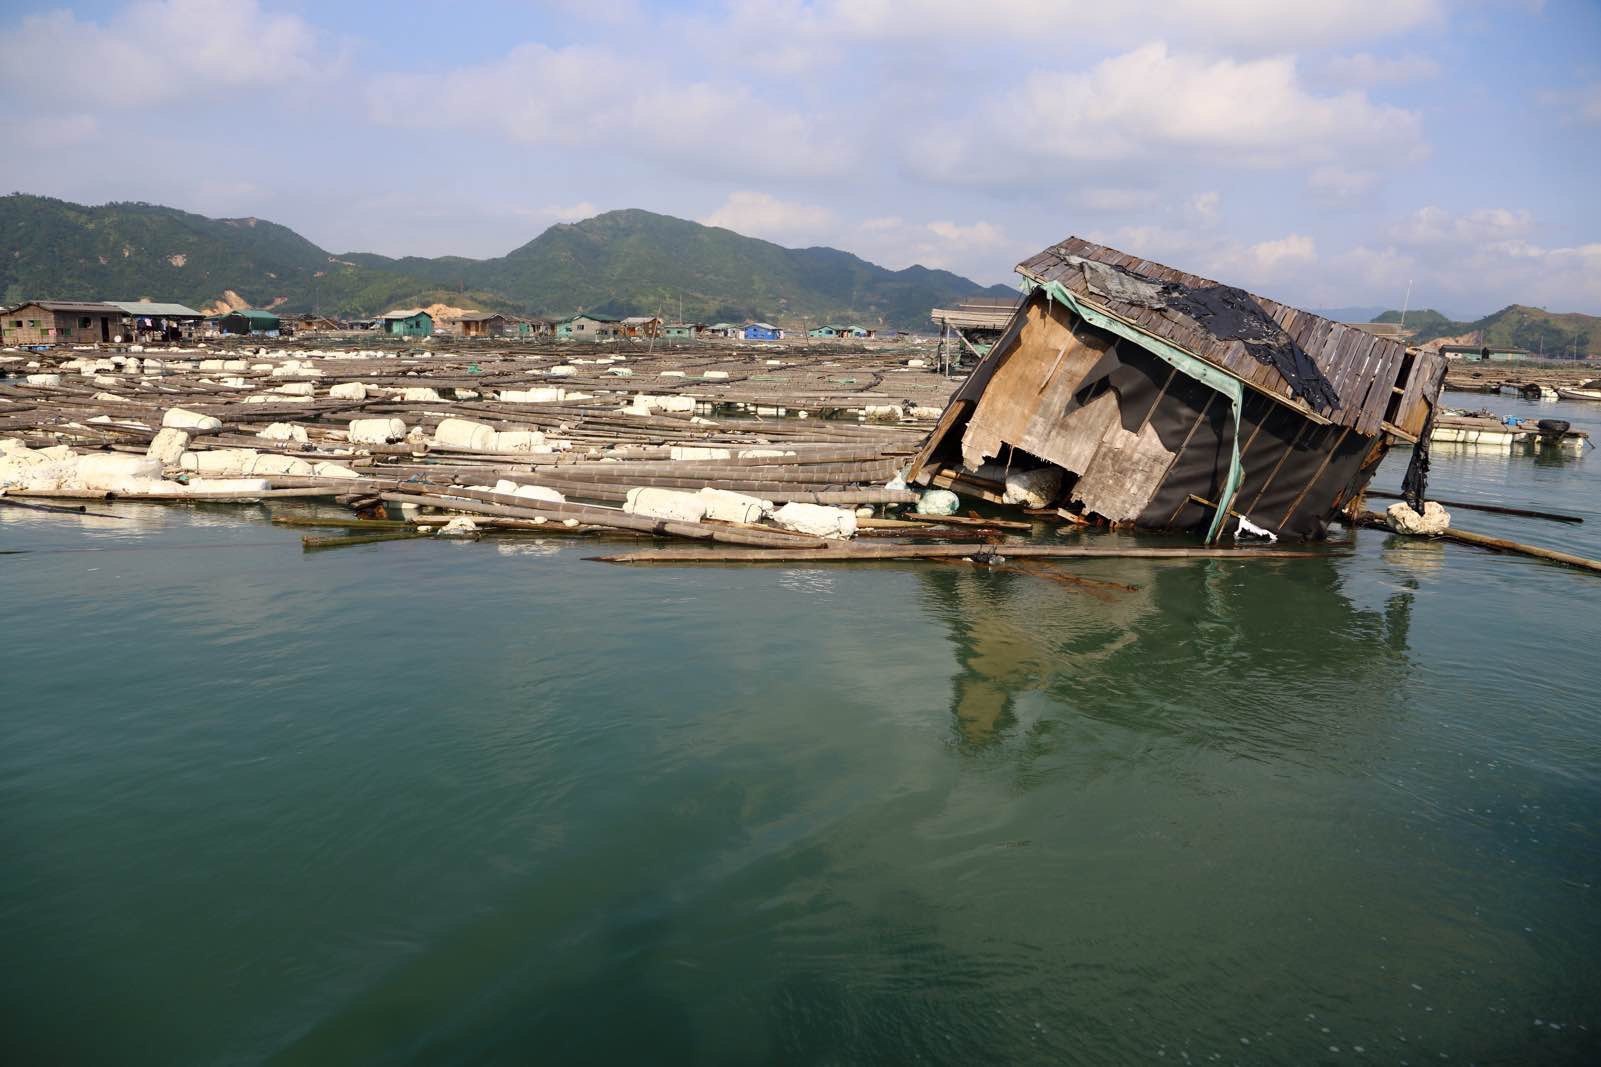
(724, 329)
(407, 322)
(642, 326)
(683, 331)
(762, 331)
(247, 322)
(50, 322)
(482, 324)
(589, 327)
(145, 320)
(1486, 353)
(826, 331)
(314, 324)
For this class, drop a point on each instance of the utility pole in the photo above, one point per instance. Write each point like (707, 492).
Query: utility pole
(1406, 305)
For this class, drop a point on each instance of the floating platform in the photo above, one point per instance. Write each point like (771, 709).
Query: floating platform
(1489, 431)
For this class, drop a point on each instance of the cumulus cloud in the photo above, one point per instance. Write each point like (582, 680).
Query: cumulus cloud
(1275, 265)
(584, 209)
(888, 240)
(810, 31)
(1153, 102)
(1115, 199)
(1434, 226)
(1458, 257)
(56, 131)
(1364, 69)
(1265, 257)
(158, 51)
(1477, 278)
(605, 100)
(1579, 105)
(1338, 185)
(897, 243)
(763, 215)
(1204, 208)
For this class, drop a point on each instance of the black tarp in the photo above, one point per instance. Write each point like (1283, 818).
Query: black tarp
(1225, 312)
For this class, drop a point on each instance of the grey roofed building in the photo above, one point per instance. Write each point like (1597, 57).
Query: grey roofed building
(146, 309)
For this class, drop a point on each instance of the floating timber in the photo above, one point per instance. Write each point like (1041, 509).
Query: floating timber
(1168, 401)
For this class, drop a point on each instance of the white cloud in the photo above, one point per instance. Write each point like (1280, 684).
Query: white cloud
(1152, 102)
(977, 235)
(800, 33)
(1278, 266)
(1434, 226)
(1486, 258)
(608, 101)
(1203, 208)
(887, 240)
(1115, 200)
(158, 51)
(56, 131)
(897, 243)
(1266, 257)
(1337, 185)
(584, 209)
(1580, 105)
(762, 215)
(1364, 69)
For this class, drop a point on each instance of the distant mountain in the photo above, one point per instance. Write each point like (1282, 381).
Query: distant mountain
(1353, 314)
(1556, 334)
(621, 262)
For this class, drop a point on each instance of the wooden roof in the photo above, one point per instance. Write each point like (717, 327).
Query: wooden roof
(1362, 367)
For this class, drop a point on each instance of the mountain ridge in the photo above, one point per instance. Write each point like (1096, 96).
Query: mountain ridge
(1556, 335)
(628, 261)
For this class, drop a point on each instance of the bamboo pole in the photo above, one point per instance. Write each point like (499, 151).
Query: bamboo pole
(493, 504)
(1497, 544)
(1495, 509)
(867, 553)
(361, 539)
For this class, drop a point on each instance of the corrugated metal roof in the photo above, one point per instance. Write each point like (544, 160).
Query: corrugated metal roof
(93, 307)
(404, 313)
(150, 309)
(250, 314)
(479, 316)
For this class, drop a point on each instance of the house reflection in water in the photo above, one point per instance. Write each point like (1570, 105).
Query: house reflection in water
(1254, 656)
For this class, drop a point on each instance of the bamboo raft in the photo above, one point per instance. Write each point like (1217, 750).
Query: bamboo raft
(832, 426)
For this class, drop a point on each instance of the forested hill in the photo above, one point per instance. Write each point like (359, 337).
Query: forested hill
(1556, 334)
(621, 262)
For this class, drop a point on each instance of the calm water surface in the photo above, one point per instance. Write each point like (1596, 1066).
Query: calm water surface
(490, 803)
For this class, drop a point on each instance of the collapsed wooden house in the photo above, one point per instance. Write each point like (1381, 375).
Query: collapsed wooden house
(1168, 401)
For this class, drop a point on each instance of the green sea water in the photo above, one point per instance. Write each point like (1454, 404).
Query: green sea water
(490, 803)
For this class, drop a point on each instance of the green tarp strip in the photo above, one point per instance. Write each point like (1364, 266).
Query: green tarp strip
(1187, 364)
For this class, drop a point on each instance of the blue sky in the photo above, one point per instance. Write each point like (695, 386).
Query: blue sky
(1326, 152)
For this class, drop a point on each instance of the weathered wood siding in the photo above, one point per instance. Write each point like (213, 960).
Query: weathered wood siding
(34, 325)
(1143, 443)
